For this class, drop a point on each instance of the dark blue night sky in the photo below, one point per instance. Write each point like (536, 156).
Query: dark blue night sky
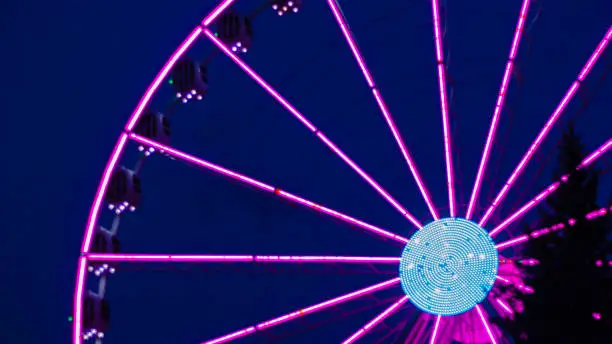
(74, 71)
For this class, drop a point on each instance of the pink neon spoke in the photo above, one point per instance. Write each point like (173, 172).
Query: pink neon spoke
(257, 78)
(233, 335)
(265, 187)
(513, 242)
(547, 127)
(238, 258)
(382, 105)
(519, 286)
(596, 154)
(524, 209)
(499, 105)
(550, 189)
(597, 213)
(351, 42)
(485, 322)
(505, 306)
(434, 334)
(543, 231)
(336, 214)
(406, 154)
(444, 105)
(380, 190)
(382, 316)
(223, 5)
(304, 311)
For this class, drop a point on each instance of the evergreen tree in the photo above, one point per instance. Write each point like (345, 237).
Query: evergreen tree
(569, 287)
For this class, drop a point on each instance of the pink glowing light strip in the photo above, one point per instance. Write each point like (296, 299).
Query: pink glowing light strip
(91, 223)
(95, 208)
(110, 166)
(163, 73)
(265, 187)
(547, 127)
(257, 78)
(485, 322)
(223, 5)
(179, 258)
(524, 209)
(501, 97)
(444, 104)
(512, 242)
(550, 189)
(543, 231)
(436, 328)
(78, 301)
(596, 154)
(505, 306)
(598, 213)
(333, 5)
(382, 316)
(522, 287)
(304, 311)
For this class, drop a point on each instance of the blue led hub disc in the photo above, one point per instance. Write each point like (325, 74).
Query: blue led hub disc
(448, 266)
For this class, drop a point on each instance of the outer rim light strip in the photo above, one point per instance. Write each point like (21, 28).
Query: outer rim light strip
(144, 101)
(91, 222)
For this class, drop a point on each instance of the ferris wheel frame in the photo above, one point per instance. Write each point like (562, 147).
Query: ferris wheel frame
(203, 30)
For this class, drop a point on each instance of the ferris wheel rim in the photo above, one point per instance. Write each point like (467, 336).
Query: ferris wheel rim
(152, 89)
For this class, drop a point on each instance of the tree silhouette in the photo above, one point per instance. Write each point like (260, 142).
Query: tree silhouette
(570, 290)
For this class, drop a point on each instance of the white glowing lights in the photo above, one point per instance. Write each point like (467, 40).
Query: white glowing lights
(282, 7)
(92, 334)
(238, 47)
(449, 266)
(120, 208)
(189, 96)
(98, 271)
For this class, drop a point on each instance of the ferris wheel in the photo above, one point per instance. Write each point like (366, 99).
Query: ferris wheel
(452, 269)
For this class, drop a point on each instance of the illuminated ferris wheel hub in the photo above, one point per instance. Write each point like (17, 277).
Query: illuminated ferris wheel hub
(449, 266)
